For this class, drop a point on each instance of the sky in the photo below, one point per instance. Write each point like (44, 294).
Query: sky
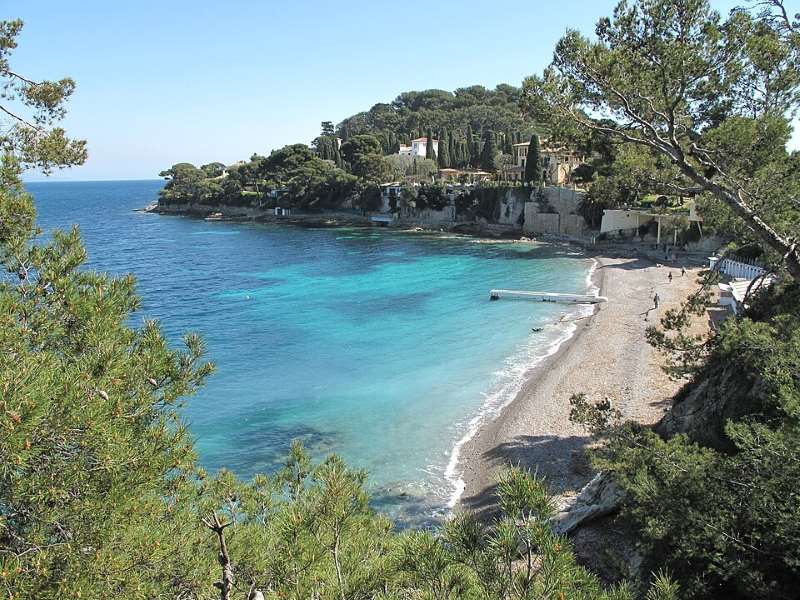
(173, 81)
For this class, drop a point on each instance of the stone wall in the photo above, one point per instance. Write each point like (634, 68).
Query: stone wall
(427, 217)
(512, 206)
(554, 212)
(543, 223)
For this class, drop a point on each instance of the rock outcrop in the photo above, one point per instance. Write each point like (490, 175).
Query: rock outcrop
(598, 498)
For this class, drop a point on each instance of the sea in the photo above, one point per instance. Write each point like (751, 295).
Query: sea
(375, 344)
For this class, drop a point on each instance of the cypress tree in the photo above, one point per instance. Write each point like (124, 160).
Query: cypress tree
(488, 158)
(337, 155)
(430, 152)
(475, 152)
(508, 142)
(444, 150)
(533, 164)
(467, 158)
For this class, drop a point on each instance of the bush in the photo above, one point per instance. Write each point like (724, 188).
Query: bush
(717, 504)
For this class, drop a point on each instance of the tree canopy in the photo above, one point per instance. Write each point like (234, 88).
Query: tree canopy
(419, 113)
(712, 95)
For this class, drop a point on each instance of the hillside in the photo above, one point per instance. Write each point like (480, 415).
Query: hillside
(461, 118)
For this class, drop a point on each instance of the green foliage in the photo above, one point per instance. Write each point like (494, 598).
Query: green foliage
(213, 170)
(306, 180)
(414, 114)
(445, 142)
(696, 106)
(632, 174)
(431, 196)
(99, 493)
(31, 137)
(533, 164)
(725, 525)
(716, 504)
(95, 459)
(711, 97)
(518, 556)
(100, 497)
(404, 166)
(363, 153)
(430, 148)
(370, 198)
(489, 152)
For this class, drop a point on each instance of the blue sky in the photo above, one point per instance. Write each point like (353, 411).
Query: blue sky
(171, 81)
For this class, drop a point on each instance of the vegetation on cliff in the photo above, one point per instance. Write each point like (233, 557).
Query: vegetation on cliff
(700, 104)
(458, 119)
(475, 127)
(705, 101)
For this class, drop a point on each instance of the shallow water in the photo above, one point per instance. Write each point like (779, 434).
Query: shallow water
(378, 345)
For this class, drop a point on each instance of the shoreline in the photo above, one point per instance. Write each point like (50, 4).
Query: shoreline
(490, 413)
(503, 432)
(606, 356)
(334, 219)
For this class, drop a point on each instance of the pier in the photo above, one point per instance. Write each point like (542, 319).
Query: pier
(547, 297)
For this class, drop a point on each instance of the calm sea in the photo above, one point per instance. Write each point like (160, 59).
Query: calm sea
(378, 345)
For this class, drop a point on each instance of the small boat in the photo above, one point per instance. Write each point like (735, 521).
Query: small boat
(215, 216)
(548, 297)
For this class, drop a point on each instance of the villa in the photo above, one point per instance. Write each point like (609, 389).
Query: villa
(557, 163)
(464, 176)
(419, 148)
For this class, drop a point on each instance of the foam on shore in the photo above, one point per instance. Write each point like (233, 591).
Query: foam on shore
(509, 382)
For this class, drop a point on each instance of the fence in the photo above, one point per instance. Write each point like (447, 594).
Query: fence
(736, 268)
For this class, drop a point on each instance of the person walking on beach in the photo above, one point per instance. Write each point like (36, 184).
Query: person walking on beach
(670, 276)
(656, 300)
(683, 271)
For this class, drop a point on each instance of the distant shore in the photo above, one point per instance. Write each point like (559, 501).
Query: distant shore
(330, 218)
(607, 356)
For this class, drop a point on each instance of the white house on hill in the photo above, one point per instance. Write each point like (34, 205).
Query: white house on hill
(419, 148)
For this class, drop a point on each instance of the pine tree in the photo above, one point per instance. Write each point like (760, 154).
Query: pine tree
(451, 149)
(533, 163)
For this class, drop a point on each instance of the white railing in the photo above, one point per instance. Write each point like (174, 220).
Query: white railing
(735, 268)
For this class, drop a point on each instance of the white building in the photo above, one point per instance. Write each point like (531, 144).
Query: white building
(557, 163)
(390, 191)
(630, 219)
(419, 148)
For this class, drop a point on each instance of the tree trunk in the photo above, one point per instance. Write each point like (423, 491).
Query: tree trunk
(784, 247)
(337, 564)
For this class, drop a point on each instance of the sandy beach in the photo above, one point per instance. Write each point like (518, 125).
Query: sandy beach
(607, 356)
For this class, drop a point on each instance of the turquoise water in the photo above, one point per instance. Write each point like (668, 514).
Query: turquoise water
(379, 345)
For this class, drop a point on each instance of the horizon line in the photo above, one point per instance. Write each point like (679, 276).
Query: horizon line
(48, 180)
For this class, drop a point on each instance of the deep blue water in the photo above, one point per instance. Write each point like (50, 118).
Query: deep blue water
(378, 345)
